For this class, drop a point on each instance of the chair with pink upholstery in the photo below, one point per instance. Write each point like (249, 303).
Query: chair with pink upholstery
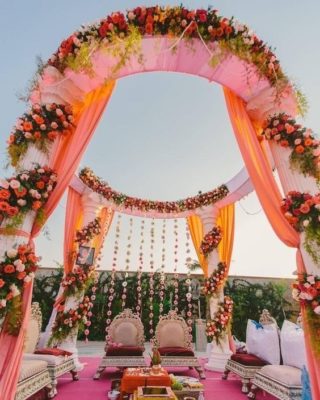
(125, 343)
(174, 343)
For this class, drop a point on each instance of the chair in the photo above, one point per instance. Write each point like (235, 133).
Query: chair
(281, 381)
(34, 376)
(174, 343)
(125, 343)
(246, 365)
(58, 362)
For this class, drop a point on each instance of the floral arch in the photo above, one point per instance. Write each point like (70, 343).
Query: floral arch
(69, 96)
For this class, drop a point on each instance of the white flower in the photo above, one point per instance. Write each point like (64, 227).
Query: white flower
(306, 222)
(17, 262)
(317, 206)
(12, 253)
(24, 177)
(297, 141)
(4, 183)
(59, 112)
(40, 170)
(27, 135)
(305, 296)
(21, 202)
(14, 290)
(20, 267)
(3, 303)
(317, 310)
(54, 125)
(49, 188)
(27, 279)
(32, 275)
(311, 279)
(14, 184)
(19, 124)
(43, 127)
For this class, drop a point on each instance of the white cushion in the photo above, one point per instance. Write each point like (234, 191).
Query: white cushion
(171, 335)
(31, 367)
(51, 360)
(32, 336)
(263, 341)
(126, 333)
(293, 348)
(289, 376)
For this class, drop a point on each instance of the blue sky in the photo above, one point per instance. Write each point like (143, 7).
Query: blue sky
(164, 136)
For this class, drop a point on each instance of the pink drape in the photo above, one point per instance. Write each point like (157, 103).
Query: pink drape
(71, 149)
(269, 195)
(72, 223)
(11, 351)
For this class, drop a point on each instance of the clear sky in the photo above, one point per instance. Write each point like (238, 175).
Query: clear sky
(164, 136)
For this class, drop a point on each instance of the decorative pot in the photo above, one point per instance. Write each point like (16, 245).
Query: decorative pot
(156, 369)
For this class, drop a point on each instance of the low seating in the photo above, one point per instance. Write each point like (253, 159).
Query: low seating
(174, 343)
(125, 343)
(34, 376)
(57, 360)
(282, 381)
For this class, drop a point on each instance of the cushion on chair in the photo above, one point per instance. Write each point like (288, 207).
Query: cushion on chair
(32, 336)
(248, 359)
(293, 348)
(289, 376)
(31, 367)
(126, 333)
(51, 360)
(53, 352)
(171, 335)
(176, 351)
(124, 351)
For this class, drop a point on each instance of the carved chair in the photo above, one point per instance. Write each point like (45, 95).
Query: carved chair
(57, 364)
(174, 343)
(125, 343)
(246, 365)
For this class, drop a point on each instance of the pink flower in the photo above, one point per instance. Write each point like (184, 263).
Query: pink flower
(14, 184)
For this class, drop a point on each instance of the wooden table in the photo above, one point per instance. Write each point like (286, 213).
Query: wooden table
(134, 377)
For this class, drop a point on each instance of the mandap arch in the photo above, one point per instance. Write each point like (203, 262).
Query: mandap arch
(71, 92)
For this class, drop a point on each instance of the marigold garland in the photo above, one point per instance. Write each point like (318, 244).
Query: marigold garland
(216, 280)
(302, 211)
(305, 155)
(17, 268)
(211, 240)
(40, 126)
(217, 328)
(120, 199)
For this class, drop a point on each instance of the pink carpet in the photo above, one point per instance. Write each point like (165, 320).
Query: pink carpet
(88, 389)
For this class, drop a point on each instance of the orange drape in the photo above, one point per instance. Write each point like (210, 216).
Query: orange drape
(73, 219)
(226, 221)
(11, 351)
(106, 215)
(197, 233)
(70, 149)
(270, 198)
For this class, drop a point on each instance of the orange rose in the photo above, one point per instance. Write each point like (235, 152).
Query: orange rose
(23, 258)
(149, 29)
(39, 120)
(40, 185)
(4, 194)
(2, 283)
(284, 143)
(12, 211)
(36, 205)
(4, 206)
(9, 269)
(22, 249)
(37, 135)
(304, 208)
(299, 149)
(21, 275)
(31, 257)
(27, 126)
(9, 296)
(52, 135)
(308, 142)
(20, 192)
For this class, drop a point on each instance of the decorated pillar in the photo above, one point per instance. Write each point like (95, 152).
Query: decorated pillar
(217, 324)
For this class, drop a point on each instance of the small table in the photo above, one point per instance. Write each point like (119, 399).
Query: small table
(135, 377)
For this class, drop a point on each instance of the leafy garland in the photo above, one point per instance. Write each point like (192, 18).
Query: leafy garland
(174, 22)
(305, 155)
(17, 268)
(302, 211)
(216, 280)
(40, 126)
(29, 190)
(211, 240)
(120, 199)
(88, 232)
(216, 328)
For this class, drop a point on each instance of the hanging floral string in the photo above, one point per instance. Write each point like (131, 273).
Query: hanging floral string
(188, 280)
(176, 276)
(140, 268)
(151, 278)
(113, 272)
(127, 262)
(162, 274)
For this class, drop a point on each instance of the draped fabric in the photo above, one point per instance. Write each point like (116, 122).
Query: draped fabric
(226, 221)
(71, 149)
(197, 233)
(73, 219)
(270, 198)
(106, 216)
(11, 351)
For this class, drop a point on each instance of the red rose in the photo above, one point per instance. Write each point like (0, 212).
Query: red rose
(12, 211)
(2, 283)
(9, 269)
(103, 30)
(40, 185)
(202, 16)
(22, 249)
(304, 208)
(20, 192)
(4, 194)
(21, 275)
(37, 135)
(36, 205)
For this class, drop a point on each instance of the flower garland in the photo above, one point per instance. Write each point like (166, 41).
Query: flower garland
(188, 280)
(305, 155)
(307, 291)
(162, 274)
(17, 268)
(216, 328)
(211, 240)
(140, 269)
(203, 199)
(175, 270)
(29, 190)
(151, 279)
(172, 21)
(40, 126)
(87, 233)
(127, 261)
(302, 211)
(216, 280)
